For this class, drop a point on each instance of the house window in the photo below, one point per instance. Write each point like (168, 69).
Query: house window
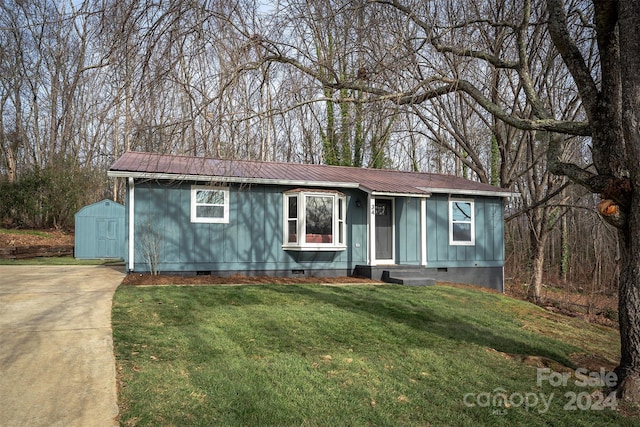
(314, 220)
(461, 222)
(209, 204)
(292, 219)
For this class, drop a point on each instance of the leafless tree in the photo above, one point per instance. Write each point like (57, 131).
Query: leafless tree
(499, 91)
(596, 45)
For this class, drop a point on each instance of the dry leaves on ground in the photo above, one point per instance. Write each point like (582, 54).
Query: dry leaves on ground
(42, 238)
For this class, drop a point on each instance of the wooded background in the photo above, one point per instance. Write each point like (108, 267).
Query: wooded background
(318, 81)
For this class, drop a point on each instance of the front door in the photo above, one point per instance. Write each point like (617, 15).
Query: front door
(384, 229)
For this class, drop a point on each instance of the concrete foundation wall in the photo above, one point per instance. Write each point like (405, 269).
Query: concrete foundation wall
(488, 277)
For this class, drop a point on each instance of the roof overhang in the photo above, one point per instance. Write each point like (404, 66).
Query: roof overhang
(425, 191)
(471, 192)
(229, 179)
(391, 194)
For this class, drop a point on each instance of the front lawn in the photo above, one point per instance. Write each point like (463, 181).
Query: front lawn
(311, 355)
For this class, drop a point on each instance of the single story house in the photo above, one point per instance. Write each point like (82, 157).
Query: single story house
(195, 215)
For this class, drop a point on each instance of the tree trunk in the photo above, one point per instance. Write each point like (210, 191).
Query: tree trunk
(628, 236)
(11, 163)
(537, 263)
(329, 145)
(629, 307)
(564, 249)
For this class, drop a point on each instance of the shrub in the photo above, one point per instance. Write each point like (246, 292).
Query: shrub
(48, 197)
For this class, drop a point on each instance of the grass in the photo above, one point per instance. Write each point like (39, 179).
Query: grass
(289, 355)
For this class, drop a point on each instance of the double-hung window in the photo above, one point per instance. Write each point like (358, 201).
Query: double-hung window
(314, 220)
(209, 204)
(461, 222)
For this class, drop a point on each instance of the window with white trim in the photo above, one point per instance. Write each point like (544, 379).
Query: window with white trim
(209, 204)
(314, 220)
(461, 222)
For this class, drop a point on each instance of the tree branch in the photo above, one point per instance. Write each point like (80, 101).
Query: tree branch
(558, 29)
(442, 48)
(550, 125)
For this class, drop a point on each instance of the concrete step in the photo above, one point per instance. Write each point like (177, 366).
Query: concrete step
(407, 277)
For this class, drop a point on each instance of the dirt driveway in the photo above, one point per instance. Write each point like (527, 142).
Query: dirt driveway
(56, 350)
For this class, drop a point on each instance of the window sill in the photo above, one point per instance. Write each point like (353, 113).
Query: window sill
(209, 220)
(462, 243)
(314, 248)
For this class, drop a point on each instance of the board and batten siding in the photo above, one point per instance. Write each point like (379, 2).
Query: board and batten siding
(408, 230)
(488, 250)
(251, 240)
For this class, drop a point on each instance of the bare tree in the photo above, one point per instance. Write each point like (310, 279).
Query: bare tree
(498, 91)
(604, 81)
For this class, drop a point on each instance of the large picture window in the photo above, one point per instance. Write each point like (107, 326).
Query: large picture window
(461, 222)
(209, 204)
(314, 220)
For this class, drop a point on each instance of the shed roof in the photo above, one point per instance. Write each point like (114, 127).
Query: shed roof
(105, 208)
(374, 181)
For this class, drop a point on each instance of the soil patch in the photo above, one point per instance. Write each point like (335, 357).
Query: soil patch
(594, 308)
(137, 279)
(52, 237)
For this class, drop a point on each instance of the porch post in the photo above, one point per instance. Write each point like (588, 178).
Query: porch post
(423, 231)
(131, 224)
(371, 224)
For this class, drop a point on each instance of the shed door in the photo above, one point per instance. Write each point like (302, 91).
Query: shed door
(107, 238)
(384, 229)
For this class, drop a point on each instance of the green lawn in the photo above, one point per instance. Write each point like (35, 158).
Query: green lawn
(314, 355)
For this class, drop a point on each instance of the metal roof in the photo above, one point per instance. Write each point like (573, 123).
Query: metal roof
(374, 181)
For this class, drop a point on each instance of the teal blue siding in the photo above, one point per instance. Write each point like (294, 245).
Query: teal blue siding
(251, 241)
(437, 229)
(100, 231)
(488, 250)
(407, 230)
(357, 233)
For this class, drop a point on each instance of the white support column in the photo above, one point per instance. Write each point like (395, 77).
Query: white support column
(371, 222)
(131, 224)
(423, 231)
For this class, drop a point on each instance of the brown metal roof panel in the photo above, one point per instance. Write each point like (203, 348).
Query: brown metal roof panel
(376, 180)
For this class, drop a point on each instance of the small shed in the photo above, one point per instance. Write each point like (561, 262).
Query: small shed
(100, 231)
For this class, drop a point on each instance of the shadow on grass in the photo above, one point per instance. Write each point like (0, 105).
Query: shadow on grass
(421, 318)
